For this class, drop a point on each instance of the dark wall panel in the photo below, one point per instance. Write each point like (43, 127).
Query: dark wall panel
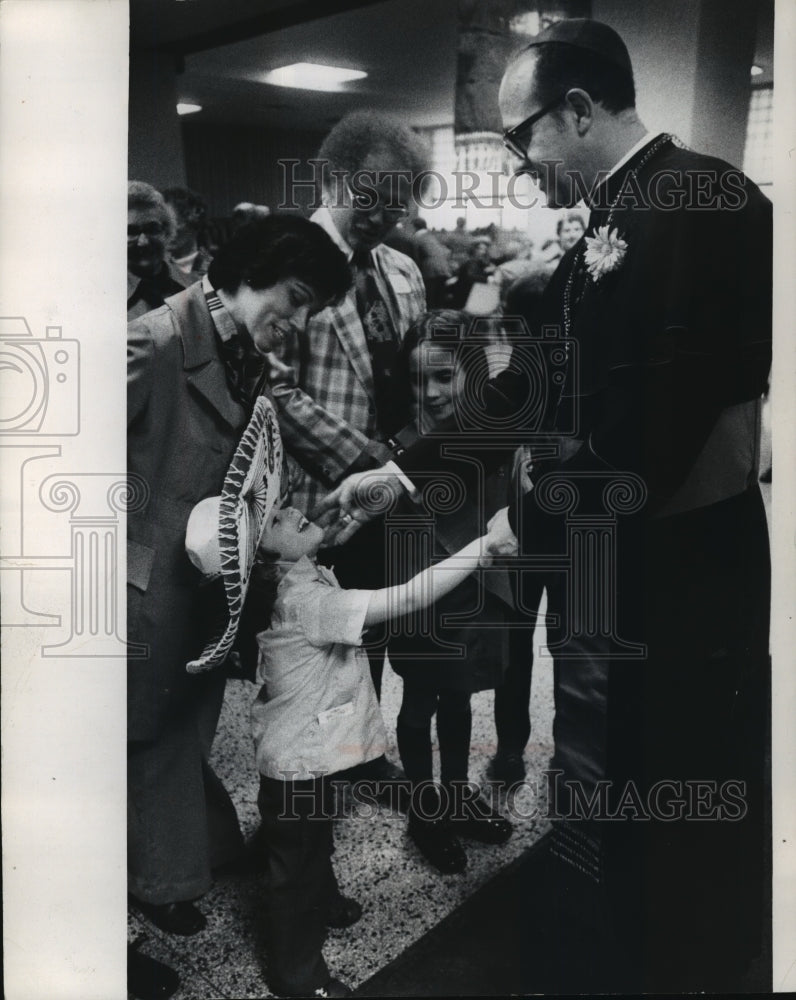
(227, 164)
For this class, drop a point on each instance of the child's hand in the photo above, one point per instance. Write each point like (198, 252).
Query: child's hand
(337, 530)
(500, 540)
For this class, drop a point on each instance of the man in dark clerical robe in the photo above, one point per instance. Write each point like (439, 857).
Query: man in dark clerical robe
(647, 525)
(662, 648)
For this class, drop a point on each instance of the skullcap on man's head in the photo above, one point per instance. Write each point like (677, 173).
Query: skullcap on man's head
(583, 33)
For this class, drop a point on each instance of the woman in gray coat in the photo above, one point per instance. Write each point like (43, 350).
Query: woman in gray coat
(195, 367)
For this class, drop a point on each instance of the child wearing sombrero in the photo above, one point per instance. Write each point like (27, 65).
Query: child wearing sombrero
(315, 716)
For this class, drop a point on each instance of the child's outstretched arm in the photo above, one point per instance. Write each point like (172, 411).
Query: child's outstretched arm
(436, 581)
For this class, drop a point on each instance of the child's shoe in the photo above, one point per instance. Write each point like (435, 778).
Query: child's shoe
(437, 844)
(481, 822)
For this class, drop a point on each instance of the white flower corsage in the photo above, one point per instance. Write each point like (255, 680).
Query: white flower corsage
(605, 252)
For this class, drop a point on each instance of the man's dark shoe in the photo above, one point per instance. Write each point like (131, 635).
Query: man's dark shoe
(343, 912)
(148, 979)
(477, 820)
(507, 768)
(175, 918)
(438, 844)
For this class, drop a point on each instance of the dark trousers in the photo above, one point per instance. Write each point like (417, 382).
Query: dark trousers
(454, 718)
(181, 822)
(685, 727)
(301, 884)
(513, 696)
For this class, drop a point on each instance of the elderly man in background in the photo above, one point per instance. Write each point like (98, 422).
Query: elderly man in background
(335, 389)
(151, 227)
(189, 247)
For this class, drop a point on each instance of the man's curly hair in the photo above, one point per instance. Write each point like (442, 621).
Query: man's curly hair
(362, 134)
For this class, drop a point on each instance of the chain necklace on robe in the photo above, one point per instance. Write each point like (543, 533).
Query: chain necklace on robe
(578, 261)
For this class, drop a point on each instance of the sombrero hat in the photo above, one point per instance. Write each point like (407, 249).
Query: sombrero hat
(223, 532)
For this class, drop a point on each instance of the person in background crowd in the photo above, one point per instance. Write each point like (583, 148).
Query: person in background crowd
(458, 242)
(195, 369)
(551, 252)
(519, 266)
(151, 226)
(569, 230)
(336, 392)
(189, 247)
(433, 259)
(477, 268)
(247, 211)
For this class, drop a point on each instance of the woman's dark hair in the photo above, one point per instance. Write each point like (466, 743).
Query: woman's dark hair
(560, 66)
(190, 209)
(265, 251)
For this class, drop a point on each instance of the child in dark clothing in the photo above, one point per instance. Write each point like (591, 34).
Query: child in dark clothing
(442, 664)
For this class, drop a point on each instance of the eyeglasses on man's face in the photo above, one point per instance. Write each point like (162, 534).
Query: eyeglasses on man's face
(371, 201)
(152, 231)
(518, 138)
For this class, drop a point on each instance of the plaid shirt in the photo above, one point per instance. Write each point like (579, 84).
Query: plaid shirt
(322, 380)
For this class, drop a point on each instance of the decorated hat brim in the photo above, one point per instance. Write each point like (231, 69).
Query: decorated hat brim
(251, 488)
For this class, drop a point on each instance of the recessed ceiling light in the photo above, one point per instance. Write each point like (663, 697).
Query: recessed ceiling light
(757, 70)
(188, 109)
(312, 76)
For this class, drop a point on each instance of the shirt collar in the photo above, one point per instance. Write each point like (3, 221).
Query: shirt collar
(307, 569)
(133, 281)
(225, 325)
(323, 217)
(643, 141)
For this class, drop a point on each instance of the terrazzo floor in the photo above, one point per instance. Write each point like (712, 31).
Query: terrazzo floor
(401, 894)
